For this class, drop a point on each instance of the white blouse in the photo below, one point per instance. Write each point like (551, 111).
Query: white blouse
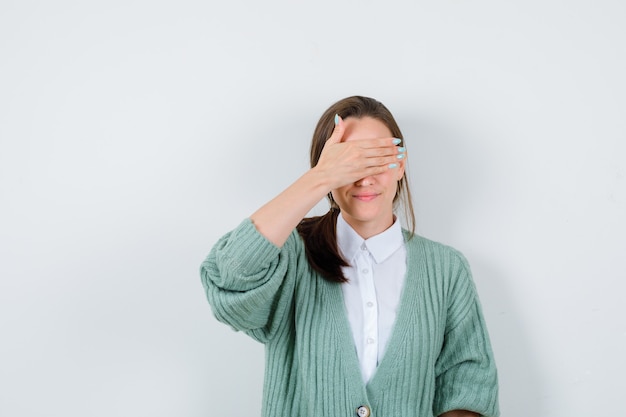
(372, 295)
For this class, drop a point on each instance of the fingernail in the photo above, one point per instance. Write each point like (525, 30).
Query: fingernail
(401, 149)
(400, 156)
(397, 141)
(393, 165)
(336, 119)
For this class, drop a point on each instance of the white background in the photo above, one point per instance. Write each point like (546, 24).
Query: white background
(135, 133)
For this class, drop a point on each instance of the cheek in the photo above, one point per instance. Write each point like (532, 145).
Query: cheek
(340, 195)
(388, 179)
(392, 186)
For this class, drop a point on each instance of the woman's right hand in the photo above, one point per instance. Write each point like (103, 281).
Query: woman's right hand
(345, 162)
(341, 162)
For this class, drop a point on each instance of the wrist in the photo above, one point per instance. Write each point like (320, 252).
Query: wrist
(319, 181)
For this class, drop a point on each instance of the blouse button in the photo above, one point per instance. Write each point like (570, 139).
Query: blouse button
(363, 411)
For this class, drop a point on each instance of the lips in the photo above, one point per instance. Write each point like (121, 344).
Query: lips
(365, 196)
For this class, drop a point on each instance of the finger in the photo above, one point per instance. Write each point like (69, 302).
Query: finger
(380, 169)
(381, 143)
(386, 151)
(338, 131)
(380, 147)
(384, 161)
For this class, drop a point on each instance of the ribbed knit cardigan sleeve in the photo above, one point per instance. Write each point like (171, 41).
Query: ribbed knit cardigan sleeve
(465, 370)
(244, 279)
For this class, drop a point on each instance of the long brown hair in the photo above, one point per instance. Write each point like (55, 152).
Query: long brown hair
(319, 233)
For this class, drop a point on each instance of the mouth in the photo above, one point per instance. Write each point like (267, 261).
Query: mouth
(365, 197)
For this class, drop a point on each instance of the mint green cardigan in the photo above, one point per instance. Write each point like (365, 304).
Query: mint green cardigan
(438, 358)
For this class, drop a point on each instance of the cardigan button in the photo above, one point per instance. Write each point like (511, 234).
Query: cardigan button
(363, 411)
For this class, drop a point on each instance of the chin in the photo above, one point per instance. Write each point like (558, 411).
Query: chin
(365, 216)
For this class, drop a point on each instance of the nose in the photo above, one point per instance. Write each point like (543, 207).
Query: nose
(365, 182)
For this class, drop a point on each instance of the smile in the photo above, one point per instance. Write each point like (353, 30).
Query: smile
(365, 197)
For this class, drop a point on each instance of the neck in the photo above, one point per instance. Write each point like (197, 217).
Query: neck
(367, 229)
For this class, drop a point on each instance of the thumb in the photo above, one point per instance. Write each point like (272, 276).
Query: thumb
(337, 134)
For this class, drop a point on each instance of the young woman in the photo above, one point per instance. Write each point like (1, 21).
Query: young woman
(359, 316)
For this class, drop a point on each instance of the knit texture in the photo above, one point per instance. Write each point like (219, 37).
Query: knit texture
(438, 357)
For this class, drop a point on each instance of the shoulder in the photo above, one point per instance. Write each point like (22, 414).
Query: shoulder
(444, 271)
(438, 264)
(433, 251)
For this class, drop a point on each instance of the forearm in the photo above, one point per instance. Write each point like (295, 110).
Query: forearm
(277, 219)
(459, 413)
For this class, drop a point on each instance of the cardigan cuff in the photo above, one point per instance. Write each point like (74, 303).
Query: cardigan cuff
(239, 261)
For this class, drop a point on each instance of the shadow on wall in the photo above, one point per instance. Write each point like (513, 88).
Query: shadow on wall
(521, 384)
(444, 174)
(456, 185)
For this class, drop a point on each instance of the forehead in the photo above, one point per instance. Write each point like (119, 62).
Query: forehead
(364, 128)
